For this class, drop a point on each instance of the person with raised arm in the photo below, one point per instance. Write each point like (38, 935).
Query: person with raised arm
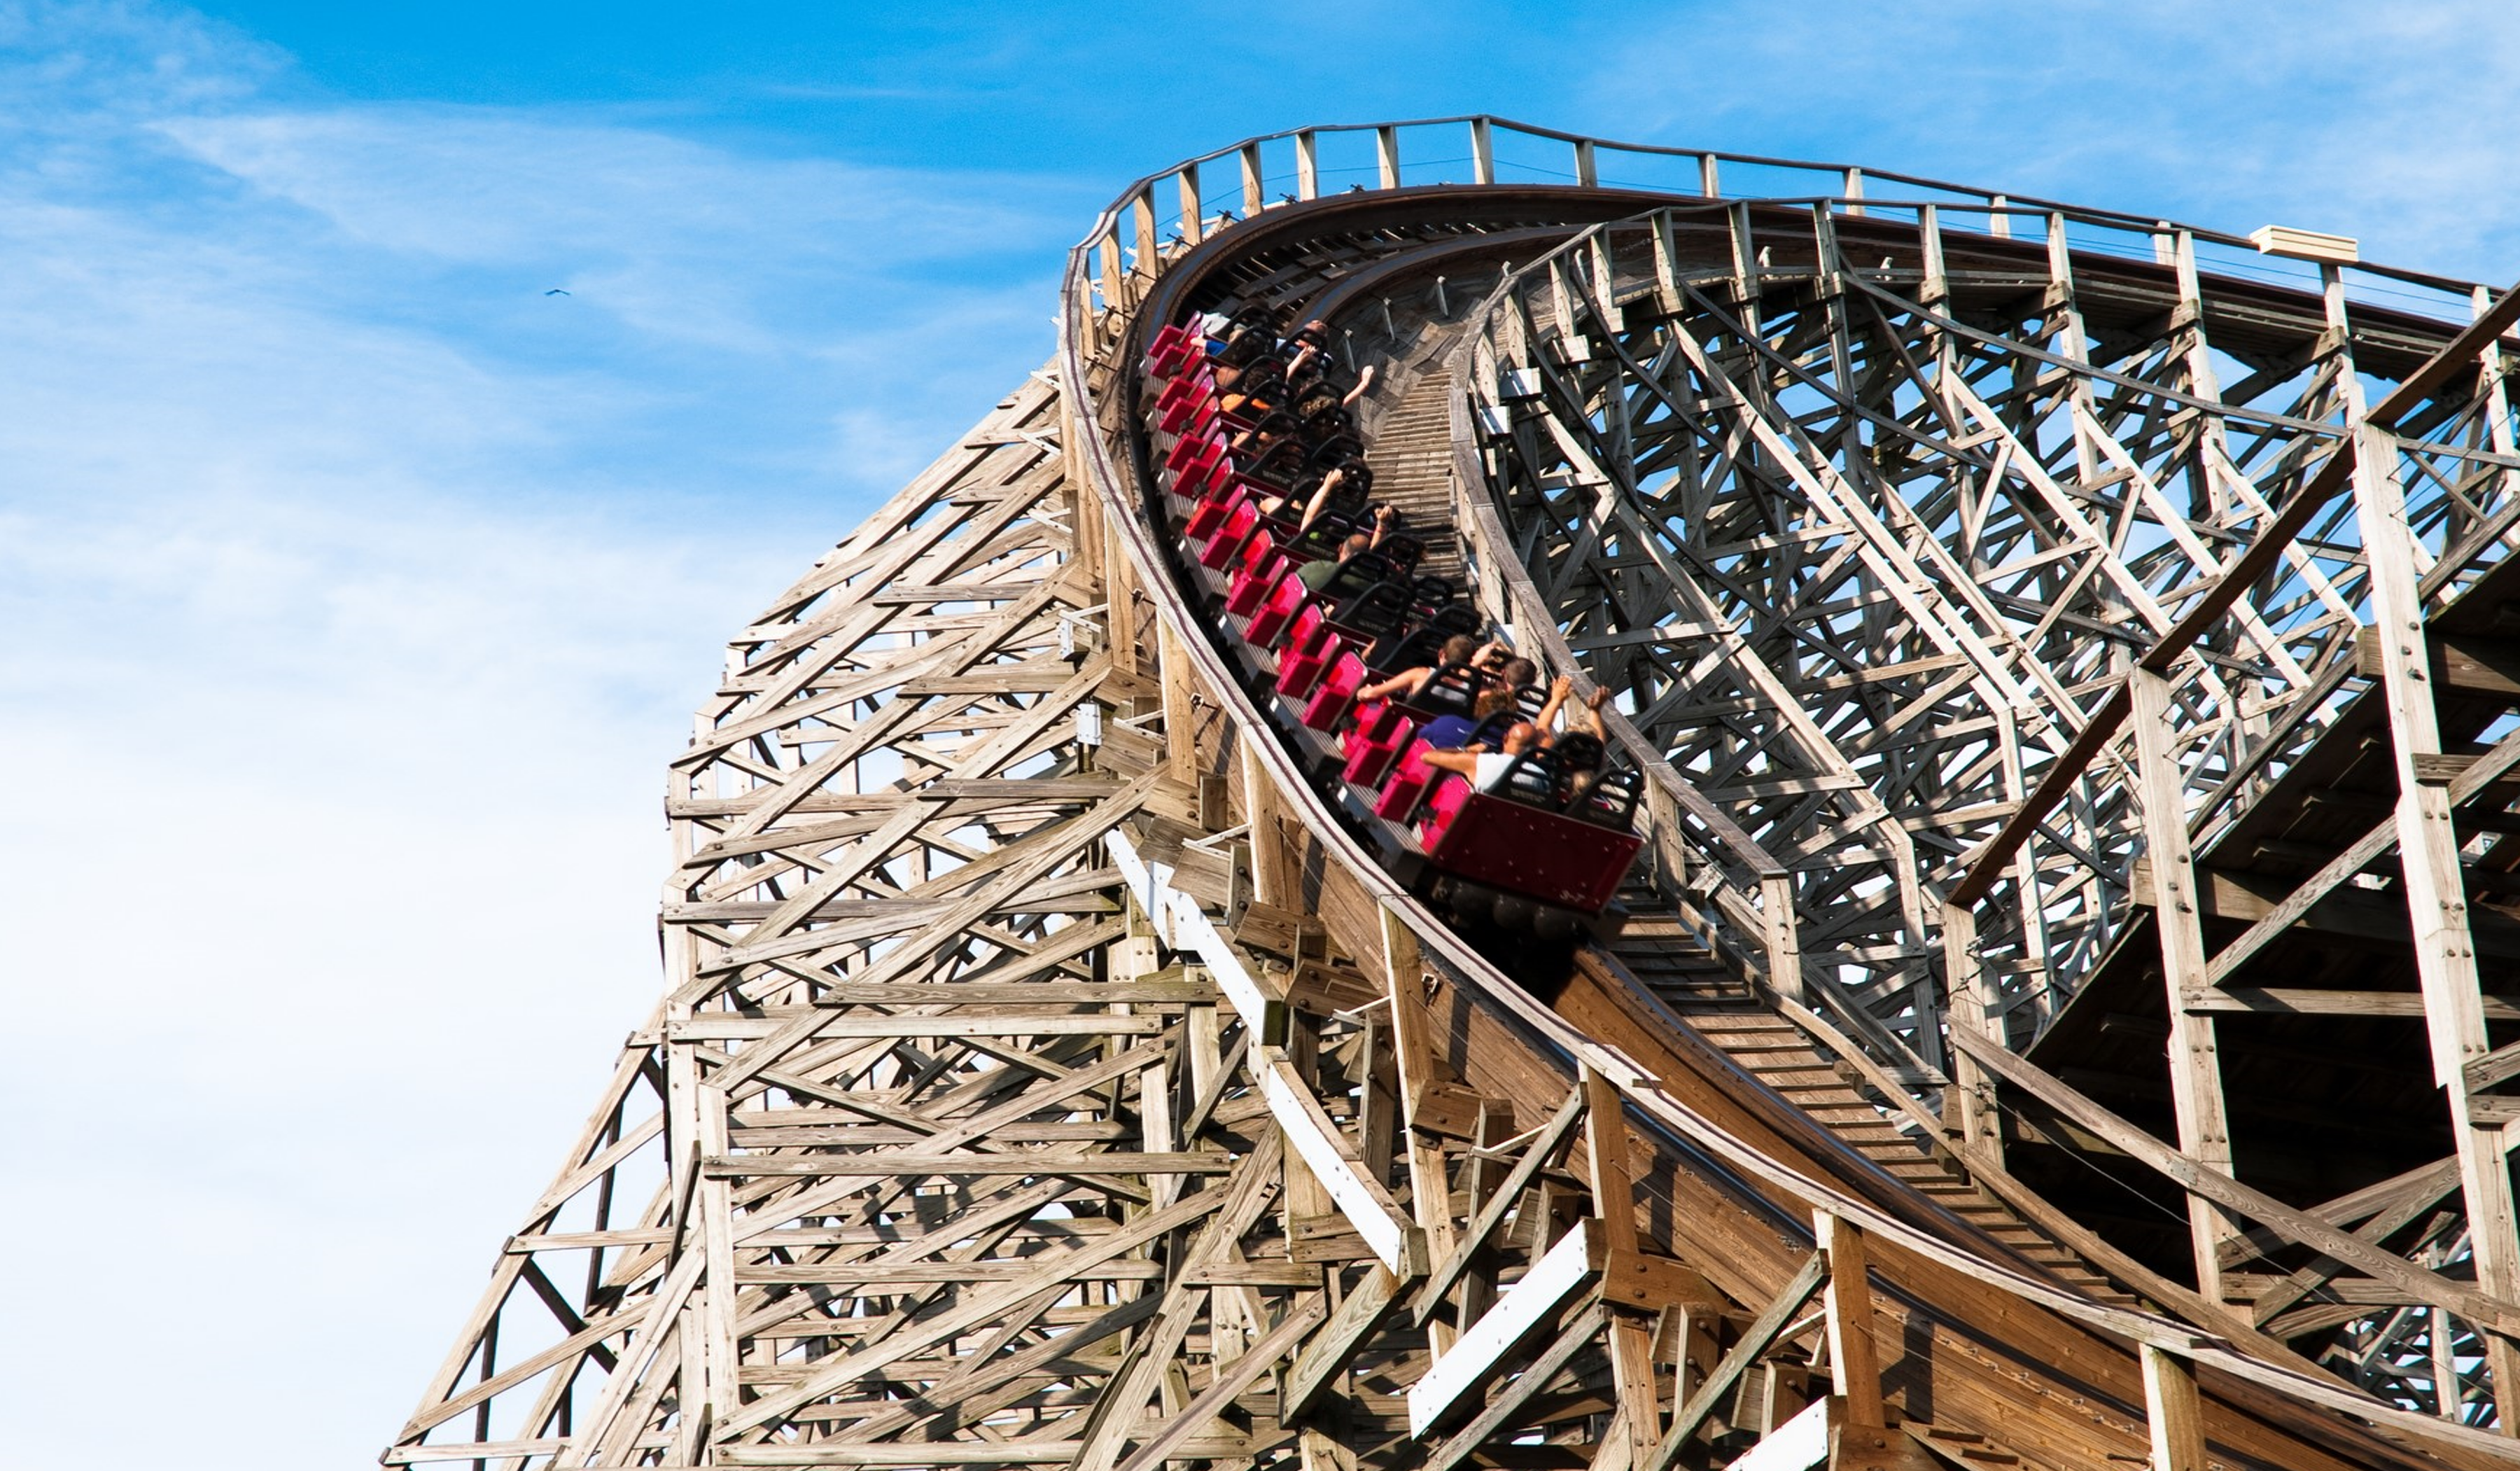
(1408, 684)
(1485, 769)
(1317, 574)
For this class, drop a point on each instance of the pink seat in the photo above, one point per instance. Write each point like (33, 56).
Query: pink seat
(1376, 742)
(1258, 572)
(1203, 477)
(1408, 784)
(1210, 513)
(1371, 723)
(1183, 401)
(1165, 352)
(1451, 795)
(1311, 645)
(1181, 391)
(1229, 537)
(1190, 448)
(1276, 610)
(1206, 464)
(1336, 692)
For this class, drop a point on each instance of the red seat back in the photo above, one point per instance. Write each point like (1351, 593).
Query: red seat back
(1373, 758)
(1451, 795)
(1261, 570)
(1210, 513)
(1336, 693)
(1230, 536)
(1310, 648)
(1408, 784)
(1191, 447)
(1203, 477)
(1276, 610)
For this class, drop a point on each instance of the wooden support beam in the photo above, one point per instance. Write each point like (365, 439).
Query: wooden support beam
(2356, 913)
(1854, 1360)
(1369, 1306)
(1545, 1144)
(1753, 1345)
(2196, 1072)
(2241, 1200)
(1499, 1409)
(1230, 1382)
(2435, 892)
(1798, 1444)
(1478, 1354)
(2465, 663)
(1614, 1208)
(2171, 1413)
(2294, 1000)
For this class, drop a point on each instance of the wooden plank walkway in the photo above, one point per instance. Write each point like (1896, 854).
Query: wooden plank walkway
(1411, 459)
(1696, 987)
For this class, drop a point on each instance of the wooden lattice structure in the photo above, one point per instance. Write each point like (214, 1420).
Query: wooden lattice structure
(2059, 1021)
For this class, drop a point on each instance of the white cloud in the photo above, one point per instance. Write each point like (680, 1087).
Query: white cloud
(2390, 123)
(354, 590)
(354, 595)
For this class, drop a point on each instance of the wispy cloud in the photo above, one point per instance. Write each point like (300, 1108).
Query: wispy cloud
(355, 592)
(2390, 123)
(354, 589)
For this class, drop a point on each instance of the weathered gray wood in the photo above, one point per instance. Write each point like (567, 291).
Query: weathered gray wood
(2241, 1200)
(1912, 543)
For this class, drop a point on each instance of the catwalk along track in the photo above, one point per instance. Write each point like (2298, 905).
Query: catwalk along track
(2059, 1013)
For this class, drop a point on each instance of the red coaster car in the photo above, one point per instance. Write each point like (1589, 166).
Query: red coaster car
(1525, 856)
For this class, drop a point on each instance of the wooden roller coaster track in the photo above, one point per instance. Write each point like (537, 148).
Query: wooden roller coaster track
(2068, 1002)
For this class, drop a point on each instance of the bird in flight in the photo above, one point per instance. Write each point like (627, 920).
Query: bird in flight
(555, 292)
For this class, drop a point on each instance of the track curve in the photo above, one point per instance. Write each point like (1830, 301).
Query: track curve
(1046, 1073)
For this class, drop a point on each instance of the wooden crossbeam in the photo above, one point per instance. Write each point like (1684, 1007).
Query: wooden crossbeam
(1749, 1349)
(2225, 1191)
(1473, 1238)
(1479, 1354)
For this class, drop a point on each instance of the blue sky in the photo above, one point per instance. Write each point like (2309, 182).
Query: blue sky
(355, 590)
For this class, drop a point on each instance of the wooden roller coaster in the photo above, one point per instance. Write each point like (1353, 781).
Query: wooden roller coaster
(2059, 1014)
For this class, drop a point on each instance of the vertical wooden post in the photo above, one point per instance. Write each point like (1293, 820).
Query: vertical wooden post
(1666, 258)
(1605, 283)
(2435, 891)
(1615, 1206)
(1938, 281)
(1482, 151)
(2429, 857)
(1971, 1003)
(1193, 214)
(1782, 939)
(1854, 191)
(1273, 878)
(1588, 172)
(1308, 165)
(2208, 497)
(1854, 1360)
(1143, 207)
(1430, 1191)
(1181, 708)
(1115, 296)
(1745, 262)
(2173, 1412)
(1254, 182)
(2196, 1074)
(1709, 176)
(1483, 1177)
(1386, 156)
(2497, 391)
